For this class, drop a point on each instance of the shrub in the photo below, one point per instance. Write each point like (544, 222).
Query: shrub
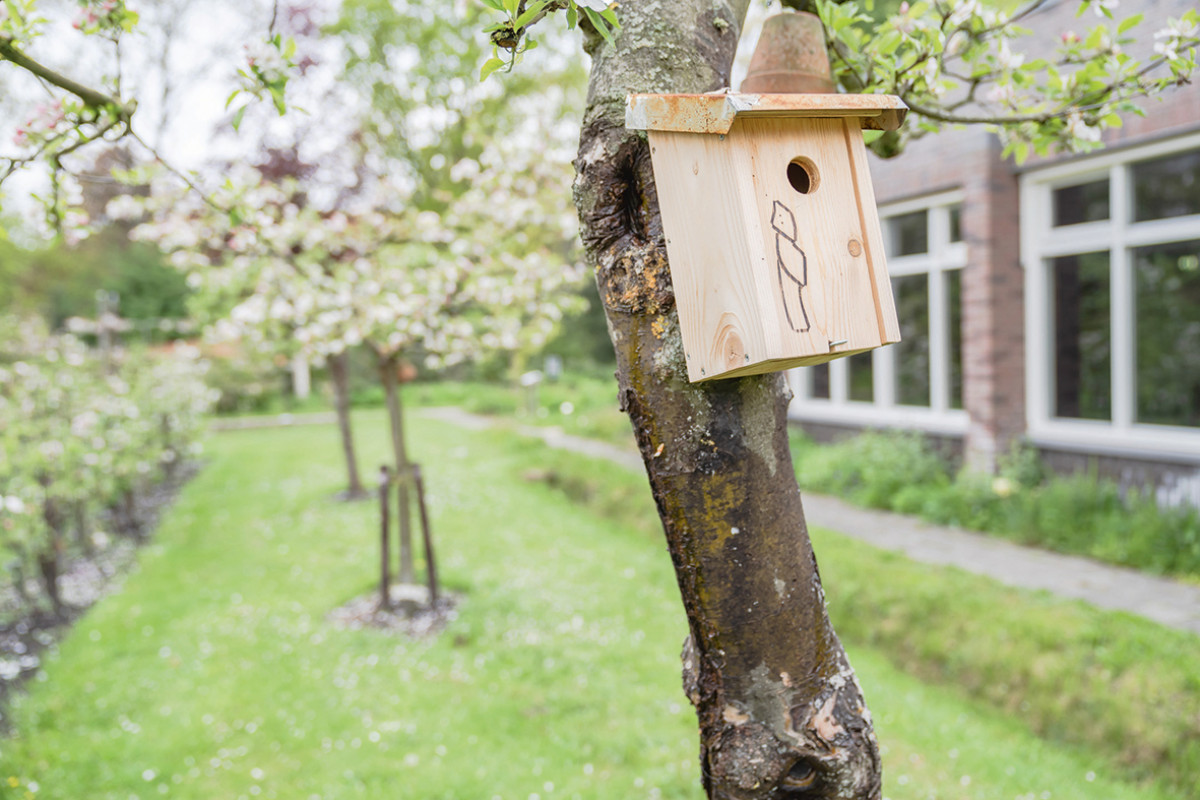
(1080, 513)
(873, 468)
(245, 385)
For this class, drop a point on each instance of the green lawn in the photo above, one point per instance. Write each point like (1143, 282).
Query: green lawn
(214, 673)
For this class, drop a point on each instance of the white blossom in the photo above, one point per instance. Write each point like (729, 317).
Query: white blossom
(1080, 131)
(1008, 60)
(265, 57)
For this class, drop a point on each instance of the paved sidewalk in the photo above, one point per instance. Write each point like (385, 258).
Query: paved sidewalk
(1162, 600)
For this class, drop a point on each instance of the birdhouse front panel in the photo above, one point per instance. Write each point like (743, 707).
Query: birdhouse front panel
(773, 238)
(822, 236)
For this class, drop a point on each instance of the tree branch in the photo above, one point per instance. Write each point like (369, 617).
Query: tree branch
(89, 96)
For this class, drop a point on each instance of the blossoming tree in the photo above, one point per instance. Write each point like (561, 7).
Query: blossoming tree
(80, 435)
(478, 277)
(442, 238)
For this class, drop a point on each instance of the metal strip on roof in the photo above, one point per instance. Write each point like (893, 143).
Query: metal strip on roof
(715, 113)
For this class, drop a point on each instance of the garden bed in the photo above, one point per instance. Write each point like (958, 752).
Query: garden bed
(28, 629)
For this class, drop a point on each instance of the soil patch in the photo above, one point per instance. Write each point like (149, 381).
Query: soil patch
(410, 615)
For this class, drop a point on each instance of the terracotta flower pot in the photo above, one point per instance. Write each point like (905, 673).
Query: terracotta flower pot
(790, 57)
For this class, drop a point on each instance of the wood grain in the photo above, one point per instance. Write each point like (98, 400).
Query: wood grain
(767, 277)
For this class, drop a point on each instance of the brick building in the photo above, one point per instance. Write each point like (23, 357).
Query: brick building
(1056, 302)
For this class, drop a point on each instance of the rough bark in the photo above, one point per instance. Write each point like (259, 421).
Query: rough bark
(339, 371)
(389, 370)
(781, 713)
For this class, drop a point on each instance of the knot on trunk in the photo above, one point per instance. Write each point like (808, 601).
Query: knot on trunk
(746, 761)
(622, 231)
(803, 740)
(637, 281)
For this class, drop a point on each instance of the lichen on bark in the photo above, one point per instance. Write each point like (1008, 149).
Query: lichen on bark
(781, 714)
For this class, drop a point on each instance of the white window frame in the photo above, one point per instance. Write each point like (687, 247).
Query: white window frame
(883, 411)
(1118, 236)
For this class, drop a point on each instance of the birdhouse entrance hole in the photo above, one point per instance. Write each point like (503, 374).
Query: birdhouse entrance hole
(802, 175)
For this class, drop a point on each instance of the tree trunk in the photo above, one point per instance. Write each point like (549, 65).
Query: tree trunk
(48, 558)
(131, 525)
(339, 370)
(385, 536)
(781, 713)
(83, 533)
(389, 372)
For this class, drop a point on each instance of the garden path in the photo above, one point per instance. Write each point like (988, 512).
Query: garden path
(1162, 600)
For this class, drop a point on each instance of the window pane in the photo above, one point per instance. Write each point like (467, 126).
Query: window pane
(956, 223)
(954, 302)
(1082, 352)
(820, 382)
(1085, 202)
(912, 352)
(1167, 187)
(908, 234)
(1167, 286)
(862, 379)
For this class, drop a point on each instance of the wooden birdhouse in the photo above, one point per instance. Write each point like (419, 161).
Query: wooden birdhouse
(772, 232)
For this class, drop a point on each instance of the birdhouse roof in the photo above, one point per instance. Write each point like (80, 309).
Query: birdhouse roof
(715, 113)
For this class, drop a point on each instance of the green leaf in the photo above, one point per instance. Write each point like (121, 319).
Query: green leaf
(572, 17)
(530, 12)
(599, 23)
(237, 117)
(232, 96)
(277, 98)
(1129, 23)
(490, 66)
(494, 4)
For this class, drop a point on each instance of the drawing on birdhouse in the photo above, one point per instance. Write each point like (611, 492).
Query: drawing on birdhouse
(773, 236)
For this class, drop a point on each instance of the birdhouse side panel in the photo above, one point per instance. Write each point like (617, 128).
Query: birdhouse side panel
(885, 304)
(819, 240)
(704, 214)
